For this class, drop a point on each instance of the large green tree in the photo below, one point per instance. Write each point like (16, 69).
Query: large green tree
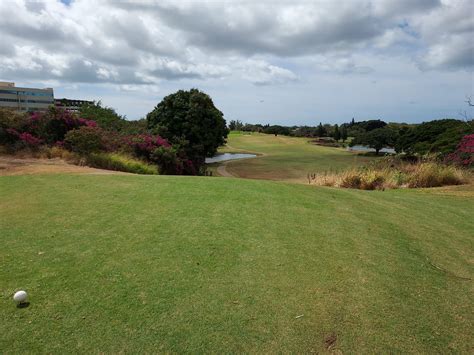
(377, 139)
(190, 119)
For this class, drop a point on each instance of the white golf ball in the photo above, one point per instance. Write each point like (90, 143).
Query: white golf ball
(20, 296)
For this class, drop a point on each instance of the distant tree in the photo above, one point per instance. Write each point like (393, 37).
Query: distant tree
(106, 117)
(337, 133)
(321, 132)
(134, 127)
(352, 121)
(371, 124)
(248, 127)
(276, 130)
(190, 119)
(377, 139)
(236, 125)
(343, 132)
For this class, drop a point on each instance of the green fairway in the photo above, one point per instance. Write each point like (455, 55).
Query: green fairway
(286, 158)
(127, 263)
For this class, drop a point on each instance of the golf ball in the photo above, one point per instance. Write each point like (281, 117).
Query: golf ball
(20, 296)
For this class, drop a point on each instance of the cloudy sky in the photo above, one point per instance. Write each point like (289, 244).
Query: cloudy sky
(281, 62)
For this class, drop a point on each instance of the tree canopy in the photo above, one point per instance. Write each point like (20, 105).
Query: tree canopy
(190, 119)
(440, 136)
(106, 117)
(377, 139)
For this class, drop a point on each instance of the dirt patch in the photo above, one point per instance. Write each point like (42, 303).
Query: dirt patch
(10, 165)
(222, 171)
(330, 341)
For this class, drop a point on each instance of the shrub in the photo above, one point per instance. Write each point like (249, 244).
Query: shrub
(351, 179)
(59, 152)
(11, 124)
(22, 140)
(432, 175)
(119, 162)
(20, 130)
(394, 174)
(167, 161)
(464, 153)
(53, 125)
(85, 140)
(143, 145)
(372, 180)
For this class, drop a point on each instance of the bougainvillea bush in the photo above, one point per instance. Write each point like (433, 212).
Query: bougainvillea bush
(59, 128)
(19, 130)
(143, 145)
(154, 148)
(464, 153)
(53, 125)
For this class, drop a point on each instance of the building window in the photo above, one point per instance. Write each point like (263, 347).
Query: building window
(8, 92)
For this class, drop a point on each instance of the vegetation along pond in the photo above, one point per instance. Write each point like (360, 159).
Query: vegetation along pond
(228, 156)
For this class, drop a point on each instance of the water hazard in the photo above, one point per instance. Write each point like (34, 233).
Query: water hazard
(228, 156)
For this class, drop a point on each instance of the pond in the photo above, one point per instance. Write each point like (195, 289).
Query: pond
(362, 148)
(228, 156)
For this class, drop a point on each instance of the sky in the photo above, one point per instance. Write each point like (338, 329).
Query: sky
(277, 62)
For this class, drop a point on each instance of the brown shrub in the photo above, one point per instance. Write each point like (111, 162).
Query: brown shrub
(401, 174)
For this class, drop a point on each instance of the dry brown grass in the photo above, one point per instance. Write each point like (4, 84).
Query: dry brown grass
(390, 175)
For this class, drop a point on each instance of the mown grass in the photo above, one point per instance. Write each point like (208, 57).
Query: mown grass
(135, 264)
(286, 158)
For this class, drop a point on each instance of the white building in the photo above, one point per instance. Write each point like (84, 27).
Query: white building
(25, 99)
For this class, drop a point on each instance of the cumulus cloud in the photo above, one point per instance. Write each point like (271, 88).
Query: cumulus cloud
(447, 35)
(260, 72)
(145, 42)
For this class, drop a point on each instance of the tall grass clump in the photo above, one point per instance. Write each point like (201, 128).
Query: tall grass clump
(394, 173)
(120, 162)
(435, 174)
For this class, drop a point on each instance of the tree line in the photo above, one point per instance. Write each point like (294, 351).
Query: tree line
(437, 136)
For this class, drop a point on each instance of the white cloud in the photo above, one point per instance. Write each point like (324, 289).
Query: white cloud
(140, 46)
(260, 72)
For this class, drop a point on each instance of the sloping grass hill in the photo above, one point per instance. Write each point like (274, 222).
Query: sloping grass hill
(125, 263)
(285, 158)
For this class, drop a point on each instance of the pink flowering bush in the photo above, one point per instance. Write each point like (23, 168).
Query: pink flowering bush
(143, 145)
(11, 124)
(30, 140)
(464, 153)
(54, 124)
(32, 129)
(59, 128)
(24, 139)
(153, 148)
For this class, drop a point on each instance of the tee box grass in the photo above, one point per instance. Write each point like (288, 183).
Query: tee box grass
(128, 263)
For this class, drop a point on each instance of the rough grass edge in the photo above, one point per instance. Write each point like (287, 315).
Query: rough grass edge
(120, 162)
(419, 175)
(107, 161)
